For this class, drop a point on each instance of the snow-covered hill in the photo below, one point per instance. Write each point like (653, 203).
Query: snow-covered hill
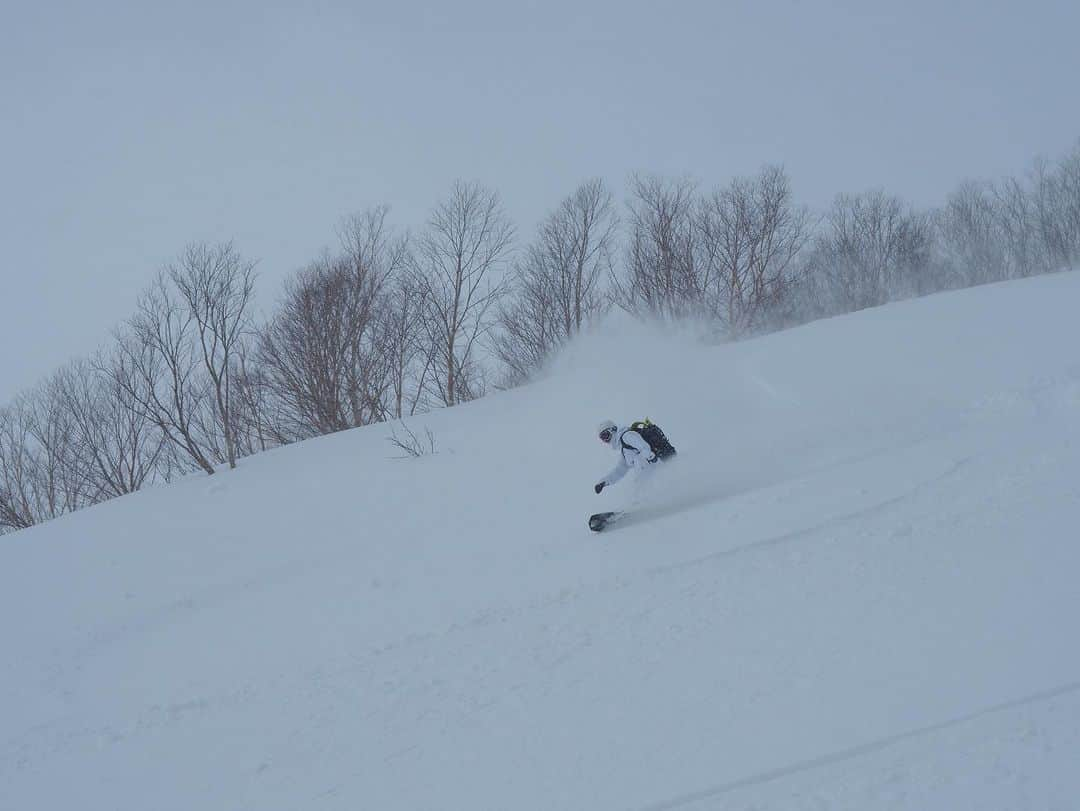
(859, 590)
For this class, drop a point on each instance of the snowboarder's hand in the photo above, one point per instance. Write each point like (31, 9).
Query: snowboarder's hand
(599, 486)
(652, 459)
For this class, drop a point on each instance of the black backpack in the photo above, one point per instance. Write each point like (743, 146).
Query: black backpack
(652, 434)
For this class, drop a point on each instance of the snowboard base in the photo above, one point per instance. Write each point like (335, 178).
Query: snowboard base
(598, 521)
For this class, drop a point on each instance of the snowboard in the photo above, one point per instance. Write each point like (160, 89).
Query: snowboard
(599, 521)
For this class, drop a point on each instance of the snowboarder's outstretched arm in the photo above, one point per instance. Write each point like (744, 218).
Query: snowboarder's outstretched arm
(616, 473)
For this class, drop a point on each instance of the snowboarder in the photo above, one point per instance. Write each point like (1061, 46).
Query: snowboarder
(641, 446)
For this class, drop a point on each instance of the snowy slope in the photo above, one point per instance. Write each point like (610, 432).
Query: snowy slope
(858, 590)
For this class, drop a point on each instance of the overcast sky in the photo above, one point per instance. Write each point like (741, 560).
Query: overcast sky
(130, 129)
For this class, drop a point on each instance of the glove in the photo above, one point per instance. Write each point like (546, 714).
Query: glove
(652, 459)
(599, 487)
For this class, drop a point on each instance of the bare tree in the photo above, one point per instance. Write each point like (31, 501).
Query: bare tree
(1017, 210)
(18, 470)
(259, 425)
(749, 236)
(1014, 227)
(873, 251)
(117, 446)
(556, 284)
(1056, 204)
(730, 257)
(455, 267)
(41, 472)
(405, 346)
(662, 274)
(314, 351)
(969, 236)
(321, 354)
(62, 478)
(158, 370)
(1068, 199)
(217, 284)
(378, 257)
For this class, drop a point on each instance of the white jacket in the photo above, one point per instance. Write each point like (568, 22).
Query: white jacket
(633, 451)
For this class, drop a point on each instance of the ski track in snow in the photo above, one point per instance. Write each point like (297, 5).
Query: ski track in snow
(713, 792)
(824, 526)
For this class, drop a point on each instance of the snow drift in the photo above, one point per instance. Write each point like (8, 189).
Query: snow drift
(857, 589)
